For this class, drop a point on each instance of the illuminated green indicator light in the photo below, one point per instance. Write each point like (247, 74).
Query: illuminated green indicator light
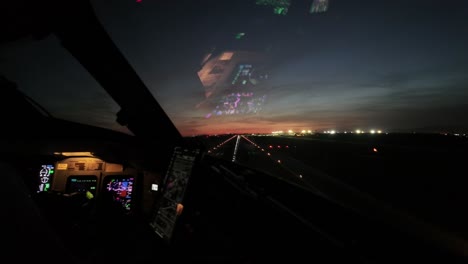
(73, 180)
(280, 7)
(92, 188)
(51, 171)
(280, 10)
(89, 195)
(240, 35)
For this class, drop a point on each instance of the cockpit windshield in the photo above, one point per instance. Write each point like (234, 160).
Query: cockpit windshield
(261, 66)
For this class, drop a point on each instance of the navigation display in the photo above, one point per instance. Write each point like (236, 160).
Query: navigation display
(177, 178)
(82, 184)
(121, 188)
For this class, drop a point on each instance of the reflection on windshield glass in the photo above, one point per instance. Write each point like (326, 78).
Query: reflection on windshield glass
(233, 88)
(320, 66)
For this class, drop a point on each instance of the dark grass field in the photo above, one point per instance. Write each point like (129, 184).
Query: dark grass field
(426, 175)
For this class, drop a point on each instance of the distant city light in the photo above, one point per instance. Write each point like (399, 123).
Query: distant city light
(375, 150)
(75, 154)
(280, 132)
(304, 132)
(300, 176)
(279, 161)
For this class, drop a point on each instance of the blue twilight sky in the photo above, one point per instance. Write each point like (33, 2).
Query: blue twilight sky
(390, 65)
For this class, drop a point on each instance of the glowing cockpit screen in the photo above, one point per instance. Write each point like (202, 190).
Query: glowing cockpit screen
(121, 188)
(85, 183)
(45, 177)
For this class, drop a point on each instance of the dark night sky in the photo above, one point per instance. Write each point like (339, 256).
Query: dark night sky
(391, 65)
